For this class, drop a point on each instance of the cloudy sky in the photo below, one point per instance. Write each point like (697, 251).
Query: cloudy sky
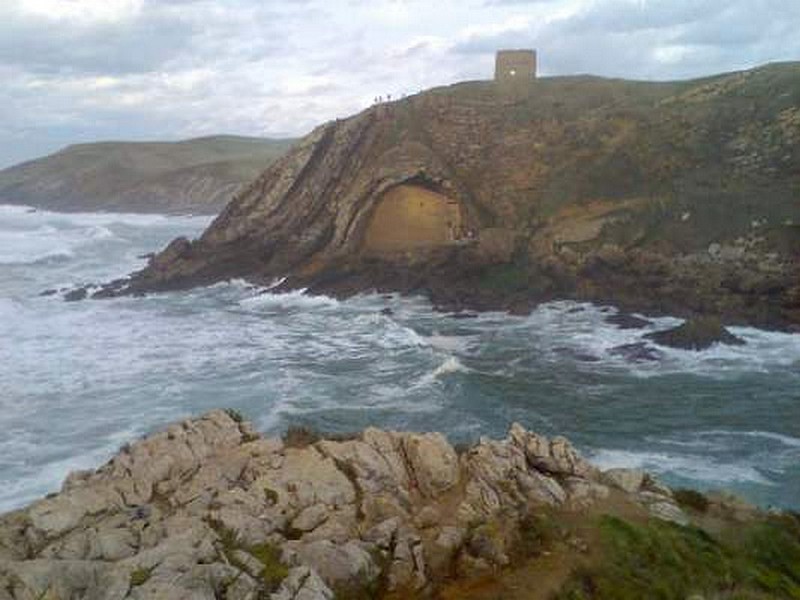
(83, 70)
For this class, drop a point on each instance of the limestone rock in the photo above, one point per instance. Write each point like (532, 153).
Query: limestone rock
(303, 583)
(667, 511)
(206, 509)
(311, 517)
(629, 480)
(432, 461)
(338, 563)
(555, 456)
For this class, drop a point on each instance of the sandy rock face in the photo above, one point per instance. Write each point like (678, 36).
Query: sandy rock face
(208, 509)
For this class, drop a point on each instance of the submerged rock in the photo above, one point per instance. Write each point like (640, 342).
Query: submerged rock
(636, 352)
(625, 320)
(76, 295)
(698, 333)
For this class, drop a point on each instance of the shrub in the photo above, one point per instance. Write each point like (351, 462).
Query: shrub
(692, 500)
(234, 414)
(300, 436)
(140, 576)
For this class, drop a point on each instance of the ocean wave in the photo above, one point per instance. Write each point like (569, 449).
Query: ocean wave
(784, 440)
(693, 467)
(47, 242)
(560, 329)
(449, 343)
(16, 214)
(450, 366)
(296, 299)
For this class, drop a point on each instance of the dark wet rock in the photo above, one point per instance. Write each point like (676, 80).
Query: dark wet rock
(627, 321)
(637, 352)
(76, 294)
(49, 292)
(110, 290)
(698, 333)
(576, 354)
(463, 315)
(387, 312)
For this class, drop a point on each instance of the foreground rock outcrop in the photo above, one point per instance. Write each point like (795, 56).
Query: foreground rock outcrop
(676, 198)
(209, 509)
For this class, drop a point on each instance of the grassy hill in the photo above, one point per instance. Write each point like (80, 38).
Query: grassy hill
(191, 176)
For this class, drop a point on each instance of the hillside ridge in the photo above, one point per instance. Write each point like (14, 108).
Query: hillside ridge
(677, 197)
(197, 175)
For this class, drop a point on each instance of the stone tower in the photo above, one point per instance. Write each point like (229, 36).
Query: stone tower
(514, 70)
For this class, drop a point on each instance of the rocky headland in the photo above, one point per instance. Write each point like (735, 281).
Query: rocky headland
(196, 176)
(208, 508)
(660, 197)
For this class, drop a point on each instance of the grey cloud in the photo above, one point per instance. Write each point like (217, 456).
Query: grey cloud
(621, 38)
(276, 67)
(110, 48)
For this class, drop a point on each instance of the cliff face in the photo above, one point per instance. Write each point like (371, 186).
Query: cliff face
(680, 197)
(193, 176)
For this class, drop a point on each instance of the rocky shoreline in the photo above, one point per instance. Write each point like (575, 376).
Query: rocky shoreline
(208, 508)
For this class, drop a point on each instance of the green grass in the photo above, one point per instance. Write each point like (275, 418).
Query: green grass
(537, 534)
(274, 570)
(269, 555)
(140, 576)
(664, 561)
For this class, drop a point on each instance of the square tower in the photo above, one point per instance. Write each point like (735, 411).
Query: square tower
(515, 68)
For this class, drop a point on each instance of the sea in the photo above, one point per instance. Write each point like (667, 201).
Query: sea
(80, 379)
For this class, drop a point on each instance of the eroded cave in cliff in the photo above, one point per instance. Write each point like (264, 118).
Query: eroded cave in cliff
(410, 217)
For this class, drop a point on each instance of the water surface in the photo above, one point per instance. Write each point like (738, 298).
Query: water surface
(77, 380)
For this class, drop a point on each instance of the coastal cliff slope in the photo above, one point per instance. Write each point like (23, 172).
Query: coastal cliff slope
(678, 197)
(209, 509)
(191, 176)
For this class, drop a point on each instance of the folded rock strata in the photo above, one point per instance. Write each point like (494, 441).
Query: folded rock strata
(662, 197)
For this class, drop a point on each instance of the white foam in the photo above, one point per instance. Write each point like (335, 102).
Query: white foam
(16, 214)
(785, 440)
(450, 366)
(583, 330)
(698, 468)
(449, 343)
(296, 299)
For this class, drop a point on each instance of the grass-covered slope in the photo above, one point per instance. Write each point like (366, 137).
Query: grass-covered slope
(599, 555)
(198, 175)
